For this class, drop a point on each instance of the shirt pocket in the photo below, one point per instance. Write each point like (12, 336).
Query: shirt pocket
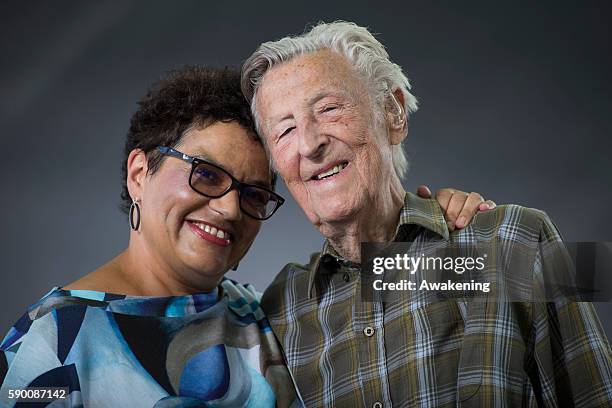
(455, 336)
(472, 355)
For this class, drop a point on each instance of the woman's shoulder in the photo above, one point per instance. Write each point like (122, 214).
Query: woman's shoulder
(42, 310)
(35, 319)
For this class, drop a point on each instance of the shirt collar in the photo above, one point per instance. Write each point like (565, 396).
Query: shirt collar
(416, 211)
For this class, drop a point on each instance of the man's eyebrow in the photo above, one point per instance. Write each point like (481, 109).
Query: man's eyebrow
(324, 93)
(312, 101)
(283, 118)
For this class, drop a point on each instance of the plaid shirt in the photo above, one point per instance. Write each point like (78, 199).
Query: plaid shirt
(343, 351)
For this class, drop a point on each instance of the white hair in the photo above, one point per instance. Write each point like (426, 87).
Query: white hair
(365, 53)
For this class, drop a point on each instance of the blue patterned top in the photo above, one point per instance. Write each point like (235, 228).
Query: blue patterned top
(205, 350)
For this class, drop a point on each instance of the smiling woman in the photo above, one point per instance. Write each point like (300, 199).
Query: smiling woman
(174, 213)
(159, 325)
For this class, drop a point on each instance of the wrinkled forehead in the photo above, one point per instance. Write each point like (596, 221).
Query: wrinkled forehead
(323, 67)
(305, 77)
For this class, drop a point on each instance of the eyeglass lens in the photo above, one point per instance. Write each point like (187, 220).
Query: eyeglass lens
(214, 182)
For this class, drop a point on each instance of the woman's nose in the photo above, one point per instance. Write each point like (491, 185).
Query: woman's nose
(228, 205)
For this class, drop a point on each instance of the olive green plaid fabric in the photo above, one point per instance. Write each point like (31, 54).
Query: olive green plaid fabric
(345, 352)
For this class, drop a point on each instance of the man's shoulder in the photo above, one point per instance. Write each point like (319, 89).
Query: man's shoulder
(293, 278)
(293, 271)
(511, 222)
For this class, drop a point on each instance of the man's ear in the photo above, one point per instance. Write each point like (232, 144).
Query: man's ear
(137, 168)
(396, 117)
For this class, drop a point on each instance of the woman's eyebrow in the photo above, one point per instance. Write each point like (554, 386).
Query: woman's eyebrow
(259, 183)
(199, 154)
(256, 182)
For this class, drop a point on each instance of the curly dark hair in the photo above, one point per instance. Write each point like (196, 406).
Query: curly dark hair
(185, 97)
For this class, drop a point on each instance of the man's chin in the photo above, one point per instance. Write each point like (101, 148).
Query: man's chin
(333, 214)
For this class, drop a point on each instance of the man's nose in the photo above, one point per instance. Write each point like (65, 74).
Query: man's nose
(227, 205)
(312, 141)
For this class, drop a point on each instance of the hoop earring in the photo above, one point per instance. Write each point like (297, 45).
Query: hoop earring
(134, 206)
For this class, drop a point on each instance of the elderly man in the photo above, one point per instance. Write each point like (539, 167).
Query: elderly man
(332, 111)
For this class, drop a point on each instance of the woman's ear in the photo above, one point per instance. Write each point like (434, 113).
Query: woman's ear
(137, 168)
(396, 117)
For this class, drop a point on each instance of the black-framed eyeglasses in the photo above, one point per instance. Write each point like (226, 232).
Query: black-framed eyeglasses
(213, 181)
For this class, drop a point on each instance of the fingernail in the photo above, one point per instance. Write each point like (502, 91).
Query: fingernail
(461, 222)
(451, 225)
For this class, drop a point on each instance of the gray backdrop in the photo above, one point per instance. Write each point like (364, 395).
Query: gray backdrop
(515, 103)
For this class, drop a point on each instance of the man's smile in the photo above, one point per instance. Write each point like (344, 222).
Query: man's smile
(328, 171)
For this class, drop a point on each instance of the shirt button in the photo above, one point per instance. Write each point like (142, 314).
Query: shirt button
(377, 404)
(346, 277)
(369, 331)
